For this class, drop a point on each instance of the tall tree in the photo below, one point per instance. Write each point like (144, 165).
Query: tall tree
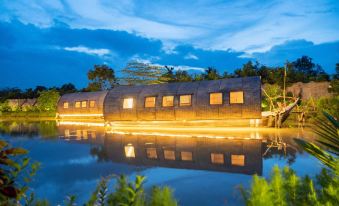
(67, 88)
(211, 74)
(247, 70)
(101, 77)
(136, 73)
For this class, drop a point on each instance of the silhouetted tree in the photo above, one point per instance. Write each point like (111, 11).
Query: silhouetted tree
(67, 88)
(101, 77)
(211, 74)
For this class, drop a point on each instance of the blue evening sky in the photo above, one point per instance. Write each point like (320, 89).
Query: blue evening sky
(57, 41)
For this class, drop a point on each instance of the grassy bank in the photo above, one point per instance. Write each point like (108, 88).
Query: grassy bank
(27, 115)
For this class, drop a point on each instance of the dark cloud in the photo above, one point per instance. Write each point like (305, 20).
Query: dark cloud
(326, 54)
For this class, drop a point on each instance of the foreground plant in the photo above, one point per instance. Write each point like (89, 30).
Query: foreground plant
(131, 194)
(286, 188)
(328, 137)
(15, 168)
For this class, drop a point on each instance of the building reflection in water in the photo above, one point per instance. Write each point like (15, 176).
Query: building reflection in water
(236, 154)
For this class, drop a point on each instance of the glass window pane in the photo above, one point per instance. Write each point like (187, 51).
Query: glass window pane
(84, 104)
(185, 100)
(151, 153)
(77, 104)
(237, 97)
(150, 102)
(169, 154)
(238, 160)
(92, 103)
(167, 101)
(128, 103)
(186, 156)
(129, 151)
(66, 105)
(217, 158)
(215, 98)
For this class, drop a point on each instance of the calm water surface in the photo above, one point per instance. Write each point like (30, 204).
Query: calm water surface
(202, 169)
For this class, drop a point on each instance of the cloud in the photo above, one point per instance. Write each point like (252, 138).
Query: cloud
(191, 56)
(246, 26)
(325, 54)
(86, 50)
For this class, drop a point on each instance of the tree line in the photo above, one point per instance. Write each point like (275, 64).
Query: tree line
(102, 77)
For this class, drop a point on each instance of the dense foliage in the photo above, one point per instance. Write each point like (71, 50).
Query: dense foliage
(101, 77)
(286, 188)
(15, 167)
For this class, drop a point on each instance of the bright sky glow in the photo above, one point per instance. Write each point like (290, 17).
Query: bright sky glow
(189, 34)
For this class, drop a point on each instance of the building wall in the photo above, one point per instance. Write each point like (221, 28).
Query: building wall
(200, 108)
(80, 113)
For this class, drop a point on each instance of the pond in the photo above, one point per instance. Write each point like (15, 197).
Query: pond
(203, 168)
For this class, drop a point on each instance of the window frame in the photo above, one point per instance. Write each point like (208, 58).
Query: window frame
(65, 103)
(83, 101)
(162, 103)
(236, 91)
(188, 105)
(214, 158)
(222, 96)
(75, 104)
(186, 160)
(237, 157)
(90, 105)
(155, 102)
(150, 155)
(123, 103)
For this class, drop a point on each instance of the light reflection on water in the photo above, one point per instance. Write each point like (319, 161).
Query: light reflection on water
(201, 170)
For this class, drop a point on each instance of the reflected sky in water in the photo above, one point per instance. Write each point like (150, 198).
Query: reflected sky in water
(73, 158)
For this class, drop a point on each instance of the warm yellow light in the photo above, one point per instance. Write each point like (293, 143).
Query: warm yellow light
(215, 98)
(129, 151)
(185, 100)
(128, 103)
(237, 97)
(238, 160)
(81, 115)
(95, 124)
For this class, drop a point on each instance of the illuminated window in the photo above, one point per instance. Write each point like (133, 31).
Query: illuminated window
(77, 104)
(217, 158)
(91, 103)
(169, 154)
(215, 98)
(186, 156)
(66, 105)
(237, 97)
(67, 134)
(151, 153)
(150, 102)
(129, 151)
(128, 103)
(167, 101)
(185, 100)
(238, 160)
(84, 104)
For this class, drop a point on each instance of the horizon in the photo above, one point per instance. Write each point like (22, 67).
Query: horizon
(57, 42)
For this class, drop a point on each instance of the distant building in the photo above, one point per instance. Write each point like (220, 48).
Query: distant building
(15, 104)
(28, 104)
(23, 104)
(310, 90)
